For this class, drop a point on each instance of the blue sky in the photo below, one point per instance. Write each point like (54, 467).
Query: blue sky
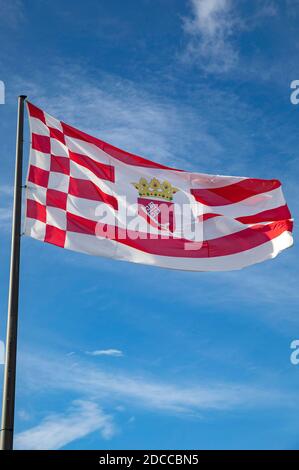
(202, 360)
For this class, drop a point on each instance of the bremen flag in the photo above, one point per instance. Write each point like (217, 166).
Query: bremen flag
(86, 195)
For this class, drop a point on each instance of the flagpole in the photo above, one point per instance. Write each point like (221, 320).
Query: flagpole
(8, 400)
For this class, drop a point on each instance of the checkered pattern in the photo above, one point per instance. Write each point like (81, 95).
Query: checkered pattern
(51, 184)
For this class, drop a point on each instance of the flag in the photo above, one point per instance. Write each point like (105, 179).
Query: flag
(86, 195)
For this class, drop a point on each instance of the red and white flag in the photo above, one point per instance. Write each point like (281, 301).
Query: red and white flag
(85, 195)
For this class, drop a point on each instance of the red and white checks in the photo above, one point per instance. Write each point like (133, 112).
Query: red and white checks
(59, 180)
(74, 178)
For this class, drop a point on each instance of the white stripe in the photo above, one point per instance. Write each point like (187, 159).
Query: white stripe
(92, 210)
(221, 226)
(85, 148)
(80, 172)
(223, 263)
(90, 244)
(196, 180)
(206, 181)
(250, 206)
(268, 250)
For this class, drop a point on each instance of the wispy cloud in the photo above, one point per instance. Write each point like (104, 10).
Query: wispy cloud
(210, 29)
(57, 430)
(105, 352)
(213, 29)
(97, 384)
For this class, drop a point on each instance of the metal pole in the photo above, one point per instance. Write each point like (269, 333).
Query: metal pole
(8, 401)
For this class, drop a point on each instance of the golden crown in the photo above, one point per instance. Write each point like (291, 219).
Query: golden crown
(154, 188)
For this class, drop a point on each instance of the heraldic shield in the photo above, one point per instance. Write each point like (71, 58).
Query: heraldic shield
(155, 203)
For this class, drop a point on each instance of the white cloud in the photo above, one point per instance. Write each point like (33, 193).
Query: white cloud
(93, 382)
(105, 352)
(210, 30)
(210, 16)
(213, 30)
(58, 430)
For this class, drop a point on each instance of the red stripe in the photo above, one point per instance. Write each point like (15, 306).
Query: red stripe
(279, 213)
(118, 154)
(38, 176)
(105, 172)
(35, 210)
(227, 245)
(41, 143)
(75, 223)
(177, 247)
(88, 190)
(235, 192)
(271, 215)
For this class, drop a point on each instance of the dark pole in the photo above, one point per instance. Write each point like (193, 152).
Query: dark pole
(8, 402)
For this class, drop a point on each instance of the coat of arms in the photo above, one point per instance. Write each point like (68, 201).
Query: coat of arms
(155, 203)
